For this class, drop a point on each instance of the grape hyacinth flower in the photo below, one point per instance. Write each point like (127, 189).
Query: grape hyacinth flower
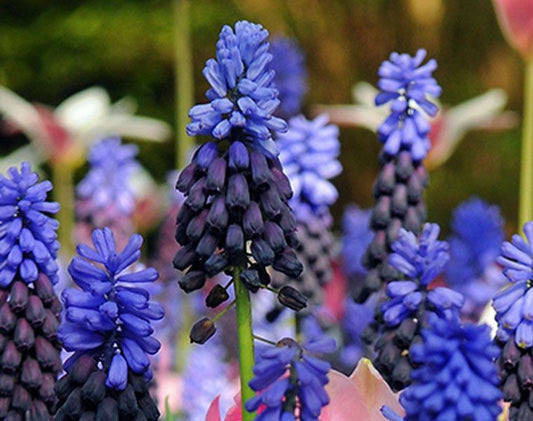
(399, 188)
(242, 96)
(236, 216)
(309, 156)
(410, 302)
(108, 328)
(356, 238)
(105, 195)
(291, 74)
(456, 379)
(514, 336)
(289, 378)
(477, 234)
(29, 308)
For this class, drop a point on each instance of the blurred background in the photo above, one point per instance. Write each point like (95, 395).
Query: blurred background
(51, 50)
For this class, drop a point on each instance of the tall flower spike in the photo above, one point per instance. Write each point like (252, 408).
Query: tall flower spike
(108, 328)
(289, 378)
(291, 74)
(243, 97)
(514, 314)
(410, 303)
(309, 156)
(457, 379)
(399, 188)
(29, 308)
(105, 195)
(236, 213)
(477, 234)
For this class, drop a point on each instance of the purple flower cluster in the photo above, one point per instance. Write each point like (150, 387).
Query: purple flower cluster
(477, 234)
(288, 377)
(291, 75)
(28, 238)
(456, 379)
(420, 260)
(110, 318)
(407, 83)
(514, 305)
(357, 237)
(309, 154)
(242, 95)
(107, 185)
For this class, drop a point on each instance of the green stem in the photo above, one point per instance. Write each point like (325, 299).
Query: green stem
(63, 180)
(526, 171)
(183, 341)
(246, 341)
(184, 82)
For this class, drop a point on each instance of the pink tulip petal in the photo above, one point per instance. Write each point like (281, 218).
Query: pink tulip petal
(213, 413)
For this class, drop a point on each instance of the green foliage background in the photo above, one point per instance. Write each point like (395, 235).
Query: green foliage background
(52, 49)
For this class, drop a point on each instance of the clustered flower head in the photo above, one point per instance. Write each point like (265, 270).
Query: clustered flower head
(514, 306)
(399, 188)
(309, 153)
(291, 75)
(107, 326)
(456, 379)
(419, 260)
(406, 83)
(290, 380)
(28, 238)
(356, 238)
(29, 308)
(236, 214)
(242, 96)
(477, 234)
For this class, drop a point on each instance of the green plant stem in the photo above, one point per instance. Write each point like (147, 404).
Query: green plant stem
(184, 82)
(526, 171)
(63, 180)
(183, 342)
(246, 341)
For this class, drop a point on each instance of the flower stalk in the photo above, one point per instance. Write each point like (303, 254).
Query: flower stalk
(526, 171)
(63, 181)
(246, 341)
(183, 81)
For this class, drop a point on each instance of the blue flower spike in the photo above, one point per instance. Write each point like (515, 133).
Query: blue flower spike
(108, 328)
(514, 314)
(29, 309)
(456, 378)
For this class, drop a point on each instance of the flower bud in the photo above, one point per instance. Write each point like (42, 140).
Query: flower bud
(193, 280)
(94, 389)
(7, 319)
(386, 180)
(381, 213)
(510, 354)
(31, 375)
(287, 263)
(50, 326)
(282, 183)
(207, 245)
(260, 171)
(202, 330)
(24, 336)
(218, 215)
(262, 252)
(19, 297)
(39, 411)
(239, 158)
(404, 166)
(525, 372)
(107, 409)
(184, 258)
(237, 195)
(46, 390)
(216, 264)
(196, 227)
(205, 155)
(148, 407)
(35, 311)
(292, 298)
(216, 175)
(271, 202)
(250, 278)
(7, 383)
(186, 178)
(399, 200)
(21, 399)
(11, 358)
(127, 402)
(273, 234)
(216, 296)
(47, 355)
(234, 239)
(511, 389)
(197, 196)
(252, 220)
